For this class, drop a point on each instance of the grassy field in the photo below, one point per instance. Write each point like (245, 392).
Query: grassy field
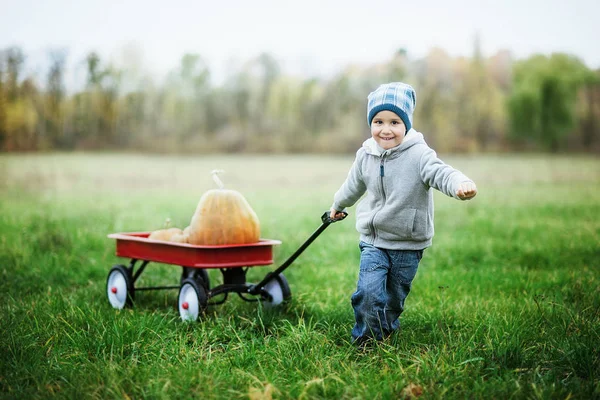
(506, 303)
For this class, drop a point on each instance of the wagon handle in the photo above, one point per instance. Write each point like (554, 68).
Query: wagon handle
(255, 289)
(327, 220)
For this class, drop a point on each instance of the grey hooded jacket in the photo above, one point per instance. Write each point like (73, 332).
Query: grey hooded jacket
(397, 212)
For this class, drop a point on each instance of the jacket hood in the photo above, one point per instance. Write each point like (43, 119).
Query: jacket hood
(412, 137)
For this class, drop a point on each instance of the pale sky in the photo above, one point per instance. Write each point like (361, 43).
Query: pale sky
(306, 36)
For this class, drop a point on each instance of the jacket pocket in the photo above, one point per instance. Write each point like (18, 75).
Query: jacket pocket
(363, 219)
(397, 226)
(421, 229)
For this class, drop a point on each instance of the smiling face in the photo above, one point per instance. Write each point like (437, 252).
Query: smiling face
(387, 129)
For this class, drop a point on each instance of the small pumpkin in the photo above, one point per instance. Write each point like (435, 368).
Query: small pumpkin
(180, 237)
(223, 216)
(169, 234)
(165, 234)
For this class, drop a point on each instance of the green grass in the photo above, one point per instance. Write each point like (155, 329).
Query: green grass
(506, 303)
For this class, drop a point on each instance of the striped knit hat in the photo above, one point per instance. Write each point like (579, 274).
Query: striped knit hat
(397, 97)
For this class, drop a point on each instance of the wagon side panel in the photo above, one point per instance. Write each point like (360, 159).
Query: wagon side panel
(196, 256)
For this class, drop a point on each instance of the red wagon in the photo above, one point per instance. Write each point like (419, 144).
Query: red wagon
(194, 288)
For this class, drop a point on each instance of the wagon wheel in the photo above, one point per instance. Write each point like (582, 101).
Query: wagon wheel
(192, 299)
(278, 290)
(198, 274)
(119, 287)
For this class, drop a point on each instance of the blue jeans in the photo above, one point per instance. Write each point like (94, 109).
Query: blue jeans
(384, 282)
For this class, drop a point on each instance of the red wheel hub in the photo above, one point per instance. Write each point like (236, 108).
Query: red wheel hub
(114, 289)
(185, 305)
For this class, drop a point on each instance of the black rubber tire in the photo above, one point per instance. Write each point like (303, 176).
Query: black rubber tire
(279, 291)
(198, 274)
(114, 299)
(195, 295)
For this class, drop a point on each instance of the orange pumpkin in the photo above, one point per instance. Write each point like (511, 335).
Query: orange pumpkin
(223, 216)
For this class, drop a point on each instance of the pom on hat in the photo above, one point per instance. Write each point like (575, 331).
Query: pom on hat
(397, 97)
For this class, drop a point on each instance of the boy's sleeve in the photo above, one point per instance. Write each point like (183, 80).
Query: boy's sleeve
(439, 175)
(352, 189)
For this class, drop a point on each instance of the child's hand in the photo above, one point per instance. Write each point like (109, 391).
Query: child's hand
(335, 214)
(466, 191)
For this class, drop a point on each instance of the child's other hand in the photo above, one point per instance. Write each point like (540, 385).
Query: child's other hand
(335, 214)
(466, 191)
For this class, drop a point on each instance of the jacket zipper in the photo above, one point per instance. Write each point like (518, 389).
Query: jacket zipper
(381, 176)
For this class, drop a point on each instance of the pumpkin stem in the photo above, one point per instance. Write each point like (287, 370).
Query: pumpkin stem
(215, 175)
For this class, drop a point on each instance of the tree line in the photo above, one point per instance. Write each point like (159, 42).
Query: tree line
(464, 104)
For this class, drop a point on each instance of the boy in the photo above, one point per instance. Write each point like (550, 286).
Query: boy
(398, 170)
